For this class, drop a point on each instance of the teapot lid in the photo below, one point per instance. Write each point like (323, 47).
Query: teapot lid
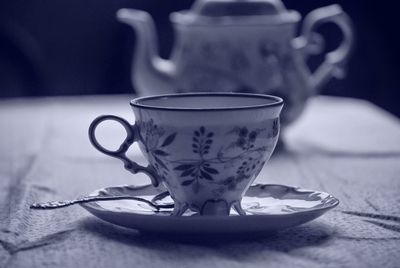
(218, 8)
(227, 11)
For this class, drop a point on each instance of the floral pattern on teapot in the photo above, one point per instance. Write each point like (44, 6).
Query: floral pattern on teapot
(230, 68)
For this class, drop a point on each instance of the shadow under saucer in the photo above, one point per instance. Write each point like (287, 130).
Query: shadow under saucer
(236, 246)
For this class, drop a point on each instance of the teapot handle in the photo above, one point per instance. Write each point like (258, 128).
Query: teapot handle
(310, 43)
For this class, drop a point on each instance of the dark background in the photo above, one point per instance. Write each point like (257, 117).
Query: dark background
(59, 47)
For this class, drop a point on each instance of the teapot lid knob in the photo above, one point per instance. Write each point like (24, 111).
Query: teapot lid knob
(219, 8)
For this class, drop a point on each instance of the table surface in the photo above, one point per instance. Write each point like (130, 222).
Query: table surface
(346, 147)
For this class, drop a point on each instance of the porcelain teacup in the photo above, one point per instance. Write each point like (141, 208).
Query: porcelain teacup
(205, 148)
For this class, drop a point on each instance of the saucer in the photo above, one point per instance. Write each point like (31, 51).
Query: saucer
(268, 207)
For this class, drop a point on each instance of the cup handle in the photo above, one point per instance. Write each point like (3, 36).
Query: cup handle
(131, 137)
(312, 43)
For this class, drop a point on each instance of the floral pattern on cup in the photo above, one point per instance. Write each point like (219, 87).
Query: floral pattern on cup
(208, 165)
(154, 141)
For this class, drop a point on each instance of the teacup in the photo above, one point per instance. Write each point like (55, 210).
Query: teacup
(205, 148)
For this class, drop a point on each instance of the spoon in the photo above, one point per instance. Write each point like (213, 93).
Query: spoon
(88, 199)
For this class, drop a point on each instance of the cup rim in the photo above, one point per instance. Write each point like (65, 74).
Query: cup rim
(277, 101)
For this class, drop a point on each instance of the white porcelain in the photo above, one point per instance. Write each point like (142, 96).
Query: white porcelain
(268, 208)
(240, 46)
(206, 149)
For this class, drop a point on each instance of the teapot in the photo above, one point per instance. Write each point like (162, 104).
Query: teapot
(239, 46)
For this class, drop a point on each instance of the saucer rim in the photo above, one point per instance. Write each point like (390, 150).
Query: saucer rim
(95, 207)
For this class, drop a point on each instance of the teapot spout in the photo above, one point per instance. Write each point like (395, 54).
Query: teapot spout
(150, 73)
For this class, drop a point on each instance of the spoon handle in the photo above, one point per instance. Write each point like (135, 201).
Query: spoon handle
(87, 199)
